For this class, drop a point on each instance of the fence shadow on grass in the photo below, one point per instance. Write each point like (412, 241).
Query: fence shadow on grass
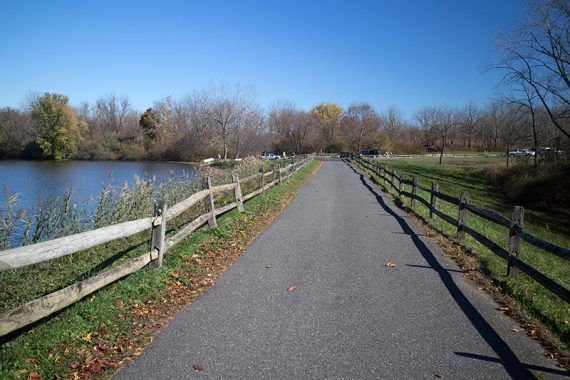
(507, 357)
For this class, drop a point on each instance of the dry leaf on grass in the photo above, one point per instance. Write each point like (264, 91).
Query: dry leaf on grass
(391, 265)
(34, 376)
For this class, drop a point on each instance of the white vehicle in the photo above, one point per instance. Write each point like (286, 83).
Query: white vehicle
(520, 153)
(271, 156)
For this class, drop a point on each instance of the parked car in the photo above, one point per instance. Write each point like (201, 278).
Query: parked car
(271, 156)
(548, 151)
(520, 153)
(369, 152)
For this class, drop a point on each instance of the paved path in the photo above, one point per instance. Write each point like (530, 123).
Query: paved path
(349, 317)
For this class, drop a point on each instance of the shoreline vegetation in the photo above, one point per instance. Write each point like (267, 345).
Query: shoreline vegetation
(57, 216)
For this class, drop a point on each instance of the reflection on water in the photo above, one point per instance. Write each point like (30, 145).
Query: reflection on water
(34, 180)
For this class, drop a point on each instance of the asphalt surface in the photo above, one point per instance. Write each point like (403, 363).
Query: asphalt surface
(349, 316)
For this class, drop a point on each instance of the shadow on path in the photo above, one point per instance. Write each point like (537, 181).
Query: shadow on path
(507, 358)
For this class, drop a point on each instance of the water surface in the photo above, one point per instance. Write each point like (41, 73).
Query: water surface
(33, 180)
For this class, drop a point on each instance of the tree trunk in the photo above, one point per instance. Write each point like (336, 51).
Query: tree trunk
(224, 138)
(442, 149)
(534, 137)
(237, 147)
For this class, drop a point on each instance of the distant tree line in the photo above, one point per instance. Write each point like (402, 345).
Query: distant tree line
(532, 109)
(228, 122)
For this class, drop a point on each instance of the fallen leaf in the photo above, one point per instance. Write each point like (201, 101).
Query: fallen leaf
(533, 333)
(198, 367)
(439, 375)
(34, 376)
(268, 266)
(22, 371)
(87, 337)
(549, 354)
(390, 265)
(138, 352)
(504, 308)
(104, 329)
(119, 304)
(290, 289)
(515, 329)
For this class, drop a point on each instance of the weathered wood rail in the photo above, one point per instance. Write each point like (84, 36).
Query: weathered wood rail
(42, 307)
(515, 225)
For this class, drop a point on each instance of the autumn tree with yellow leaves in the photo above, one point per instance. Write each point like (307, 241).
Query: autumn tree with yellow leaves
(327, 118)
(58, 128)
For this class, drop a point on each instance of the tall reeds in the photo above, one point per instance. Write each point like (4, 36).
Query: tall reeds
(58, 216)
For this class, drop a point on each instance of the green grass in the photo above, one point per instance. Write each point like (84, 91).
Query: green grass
(457, 175)
(62, 344)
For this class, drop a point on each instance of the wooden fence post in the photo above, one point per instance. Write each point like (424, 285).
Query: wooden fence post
(274, 169)
(209, 202)
(401, 188)
(433, 199)
(463, 213)
(279, 171)
(261, 178)
(237, 192)
(515, 241)
(158, 232)
(414, 191)
(385, 176)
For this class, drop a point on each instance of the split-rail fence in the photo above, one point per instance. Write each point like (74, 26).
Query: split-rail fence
(515, 225)
(42, 307)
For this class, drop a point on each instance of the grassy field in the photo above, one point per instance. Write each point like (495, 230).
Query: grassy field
(92, 337)
(470, 174)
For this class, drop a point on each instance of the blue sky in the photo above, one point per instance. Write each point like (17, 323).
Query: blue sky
(402, 53)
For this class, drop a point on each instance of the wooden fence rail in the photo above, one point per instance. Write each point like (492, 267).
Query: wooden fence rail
(515, 225)
(42, 307)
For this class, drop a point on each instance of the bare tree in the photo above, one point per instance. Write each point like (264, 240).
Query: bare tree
(438, 122)
(225, 107)
(111, 110)
(17, 132)
(468, 119)
(392, 120)
(290, 126)
(360, 125)
(494, 120)
(538, 53)
(524, 96)
(512, 129)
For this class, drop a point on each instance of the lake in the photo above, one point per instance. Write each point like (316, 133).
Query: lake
(33, 180)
